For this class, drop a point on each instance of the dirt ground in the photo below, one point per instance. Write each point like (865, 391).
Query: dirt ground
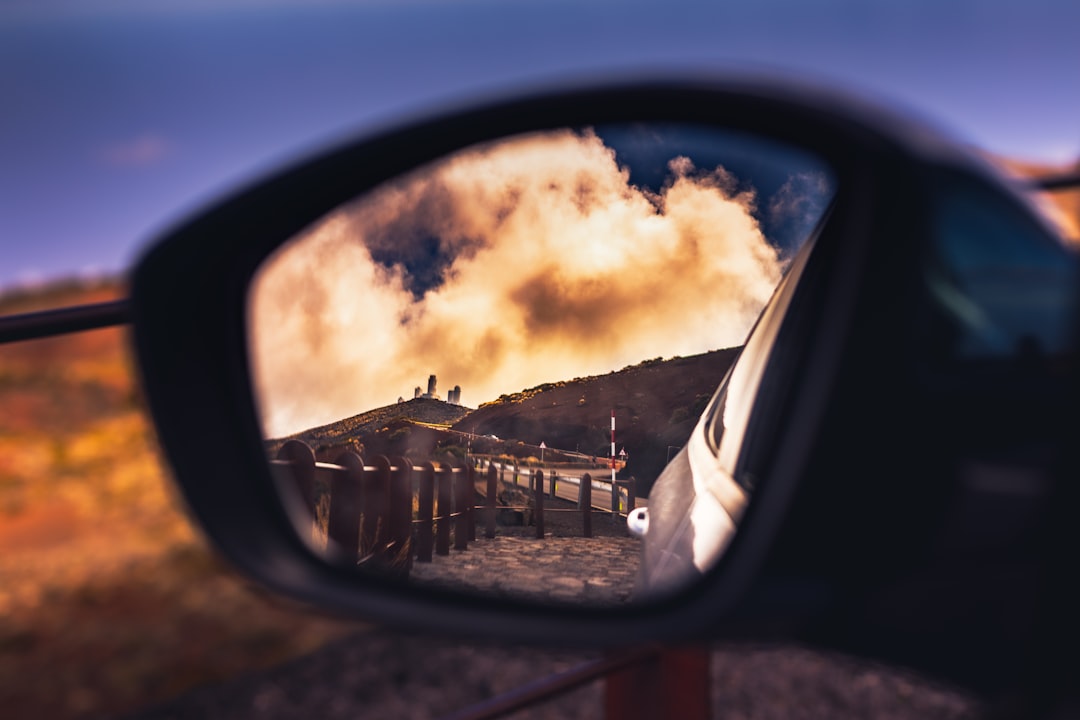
(395, 675)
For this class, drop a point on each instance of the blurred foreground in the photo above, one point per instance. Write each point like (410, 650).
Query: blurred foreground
(109, 598)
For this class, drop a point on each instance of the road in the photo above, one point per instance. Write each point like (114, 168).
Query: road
(567, 484)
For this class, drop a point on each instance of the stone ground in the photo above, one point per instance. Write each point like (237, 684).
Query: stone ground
(563, 567)
(597, 571)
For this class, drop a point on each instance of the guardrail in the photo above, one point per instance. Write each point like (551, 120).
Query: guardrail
(623, 492)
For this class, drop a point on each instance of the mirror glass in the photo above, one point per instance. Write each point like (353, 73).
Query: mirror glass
(472, 375)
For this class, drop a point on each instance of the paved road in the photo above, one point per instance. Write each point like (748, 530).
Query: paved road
(568, 482)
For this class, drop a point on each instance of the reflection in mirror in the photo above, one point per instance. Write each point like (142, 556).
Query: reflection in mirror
(470, 376)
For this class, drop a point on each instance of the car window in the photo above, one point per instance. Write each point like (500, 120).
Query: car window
(1004, 284)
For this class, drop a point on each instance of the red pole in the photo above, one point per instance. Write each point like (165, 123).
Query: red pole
(613, 445)
(614, 487)
(672, 683)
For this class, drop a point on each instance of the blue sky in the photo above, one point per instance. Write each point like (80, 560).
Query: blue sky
(117, 118)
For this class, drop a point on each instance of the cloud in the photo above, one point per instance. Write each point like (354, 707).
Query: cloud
(144, 150)
(796, 207)
(508, 265)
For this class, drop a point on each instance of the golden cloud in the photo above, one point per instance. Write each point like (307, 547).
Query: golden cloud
(525, 261)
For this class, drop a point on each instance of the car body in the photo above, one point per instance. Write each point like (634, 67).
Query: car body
(953, 400)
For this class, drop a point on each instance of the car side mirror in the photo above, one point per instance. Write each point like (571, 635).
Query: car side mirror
(426, 377)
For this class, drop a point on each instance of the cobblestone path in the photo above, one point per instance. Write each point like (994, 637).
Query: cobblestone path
(597, 571)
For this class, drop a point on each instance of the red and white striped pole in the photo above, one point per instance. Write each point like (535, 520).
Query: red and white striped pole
(613, 447)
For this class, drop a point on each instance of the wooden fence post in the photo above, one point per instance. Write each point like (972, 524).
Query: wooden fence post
(470, 480)
(301, 461)
(585, 501)
(462, 501)
(343, 528)
(400, 516)
(538, 493)
(444, 495)
(492, 490)
(376, 494)
(425, 531)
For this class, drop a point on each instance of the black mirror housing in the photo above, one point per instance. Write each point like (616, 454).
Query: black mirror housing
(803, 564)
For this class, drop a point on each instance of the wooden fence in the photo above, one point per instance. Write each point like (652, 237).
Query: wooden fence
(367, 513)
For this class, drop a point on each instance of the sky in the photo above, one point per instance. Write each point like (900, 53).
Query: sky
(534, 259)
(119, 118)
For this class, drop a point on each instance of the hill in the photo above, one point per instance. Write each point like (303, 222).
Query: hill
(656, 404)
(382, 431)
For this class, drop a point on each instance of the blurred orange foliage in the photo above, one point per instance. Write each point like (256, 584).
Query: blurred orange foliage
(1061, 207)
(109, 598)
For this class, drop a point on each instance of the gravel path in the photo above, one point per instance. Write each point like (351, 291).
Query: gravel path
(388, 675)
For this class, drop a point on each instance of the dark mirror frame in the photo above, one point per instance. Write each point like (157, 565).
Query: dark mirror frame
(189, 311)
